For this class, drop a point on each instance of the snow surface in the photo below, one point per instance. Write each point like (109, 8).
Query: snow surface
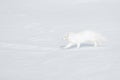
(31, 40)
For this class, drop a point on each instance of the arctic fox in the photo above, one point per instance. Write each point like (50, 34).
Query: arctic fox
(83, 37)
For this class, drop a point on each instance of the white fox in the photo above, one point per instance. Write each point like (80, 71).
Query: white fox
(83, 37)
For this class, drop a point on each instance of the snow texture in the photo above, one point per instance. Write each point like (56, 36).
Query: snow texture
(31, 40)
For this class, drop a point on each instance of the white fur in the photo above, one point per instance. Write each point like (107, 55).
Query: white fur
(83, 37)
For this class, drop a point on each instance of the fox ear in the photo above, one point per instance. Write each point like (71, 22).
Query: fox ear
(71, 33)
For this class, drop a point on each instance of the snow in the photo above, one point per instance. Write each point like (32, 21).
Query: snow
(31, 40)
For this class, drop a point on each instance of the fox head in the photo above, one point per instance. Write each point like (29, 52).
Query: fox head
(68, 35)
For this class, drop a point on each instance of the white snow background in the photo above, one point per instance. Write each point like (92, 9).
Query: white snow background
(31, 40)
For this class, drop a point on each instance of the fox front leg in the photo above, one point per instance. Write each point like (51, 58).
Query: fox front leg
(78, 45)
(69, 45)
(95, 44)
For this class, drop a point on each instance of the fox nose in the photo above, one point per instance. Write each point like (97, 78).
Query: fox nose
(64, 38)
